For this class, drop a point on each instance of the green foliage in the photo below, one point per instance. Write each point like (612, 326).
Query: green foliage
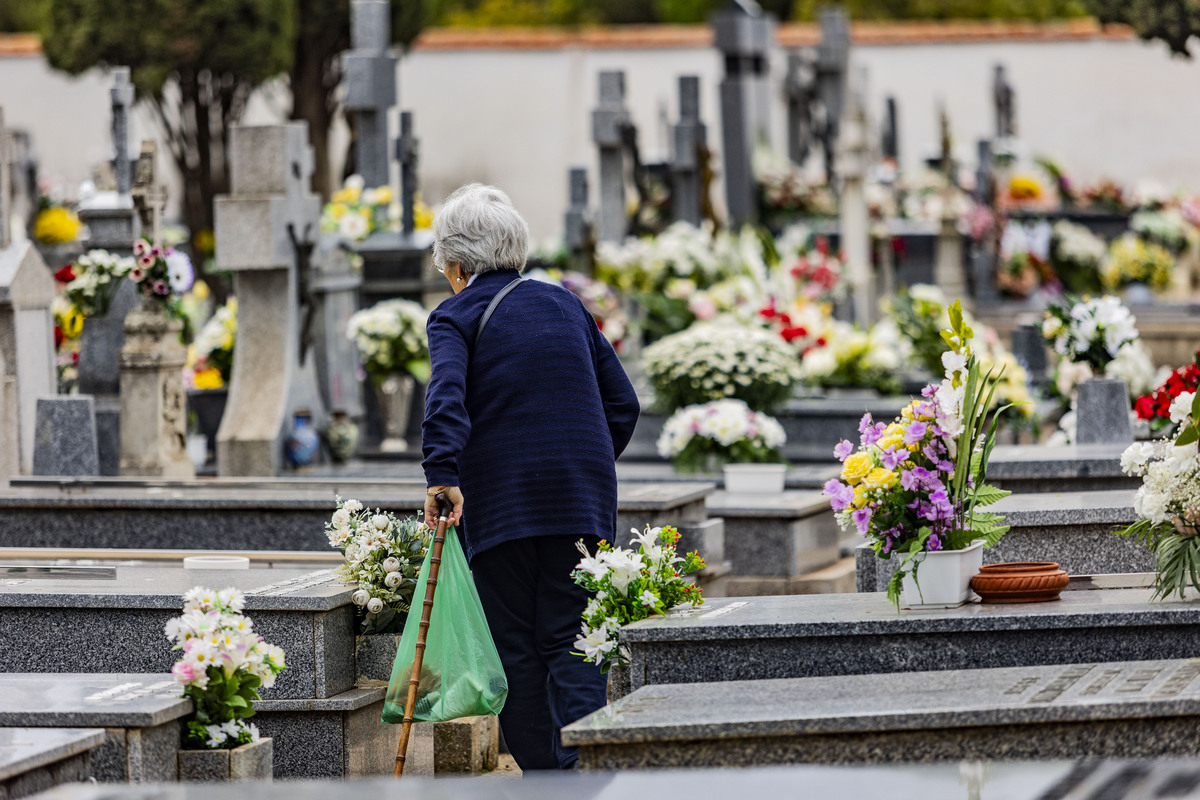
(1178, 556)
(1172, 21)
(23, 16)
(225, 699)
(705, 455)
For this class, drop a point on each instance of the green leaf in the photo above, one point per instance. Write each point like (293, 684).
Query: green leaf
(237, 701)
(1196, 408)
(987, 495)
(1188, 435)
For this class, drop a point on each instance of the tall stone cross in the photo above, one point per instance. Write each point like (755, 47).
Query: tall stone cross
(609, 120)
(408, 154)
(1004, 99)
(149, 196)
(833, 65)
(691, 143)
(579, 236)
(122, 99)
(370, 87)
(5, 185)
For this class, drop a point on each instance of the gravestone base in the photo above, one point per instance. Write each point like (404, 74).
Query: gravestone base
(73, 769)
(138, 755)
(775, 540)
(108, 433)
(65, 438)
(34, 760)
(153, 410)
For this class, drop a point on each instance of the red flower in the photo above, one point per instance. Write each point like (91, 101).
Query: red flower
(58, 336)
(66, 274)
(791, 334)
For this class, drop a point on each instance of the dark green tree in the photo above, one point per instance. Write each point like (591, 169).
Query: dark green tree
(1172, 21)
(195, 62)
(22, 16)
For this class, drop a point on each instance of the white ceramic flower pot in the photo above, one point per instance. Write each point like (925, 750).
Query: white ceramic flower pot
(944, 577)
(754, 478)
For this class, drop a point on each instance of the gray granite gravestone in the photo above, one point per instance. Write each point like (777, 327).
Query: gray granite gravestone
(261, 226)
(1127, 709)
(578, 236)
(408, 155)
(689, 155)
(109, 215)
(36, 759)
(26, 337)
(100, 374)
(140, 714)
(1029, 346)
(370, 78)
(335, 285)
(1102, 412)
(65, 440)
(744, 36)
(609, 122)
(860, 634)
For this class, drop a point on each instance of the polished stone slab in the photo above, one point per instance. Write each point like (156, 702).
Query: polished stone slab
(1139, 709)
(94, 626)
(1074, 529)
(771, 539)
(758, 638)
(25, 749)
(75, 700)
(281, 514)
(1071, 468)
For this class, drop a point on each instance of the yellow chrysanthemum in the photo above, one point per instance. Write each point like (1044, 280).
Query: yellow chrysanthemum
(1024, 187)
(857, 467)
(383, 195)
(208, 379)
(56, 225)
(71, 322)
(860, 496)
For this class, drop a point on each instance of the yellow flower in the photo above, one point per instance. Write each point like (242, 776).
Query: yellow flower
(201, 291)
(208, 379)
(860, 496)
(880, 478)
(205, 242)
(55, 225)
(71, 322)
(383, 195)
(422, 216)
(857, 467)
(1024, 187)
(906, 413)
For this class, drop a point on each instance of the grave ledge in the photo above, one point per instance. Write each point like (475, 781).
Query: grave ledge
(45, 746)
(350, 700)
(789, 505)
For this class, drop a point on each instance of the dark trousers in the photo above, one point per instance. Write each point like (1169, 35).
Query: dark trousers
(534, 611)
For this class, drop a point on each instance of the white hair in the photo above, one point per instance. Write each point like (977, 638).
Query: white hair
(479, 229)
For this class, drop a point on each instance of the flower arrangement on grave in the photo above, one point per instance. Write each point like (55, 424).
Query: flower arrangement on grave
(1024, 188)
(856, 358)
(1076, 254)
(1132, 260)
(919, 312)
(1089, 331)
(1168, 502)
(56, 224)
(68, 326)
(1024, 258)
(390, 338)
(223, 666)
(701, 438)
(383, 556)
(917, 484)
(784, 191)
(160, 271)
(94, 279)
(1164, 227)
(712, 361)
(1155, 406)
(211, 354)
(925, 195)
(354, 212)
(1106, 194)
(630, 585)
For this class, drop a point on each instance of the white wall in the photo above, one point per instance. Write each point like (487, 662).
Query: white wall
(521, 118)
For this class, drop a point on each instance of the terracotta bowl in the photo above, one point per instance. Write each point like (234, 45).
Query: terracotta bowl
(1019, 582)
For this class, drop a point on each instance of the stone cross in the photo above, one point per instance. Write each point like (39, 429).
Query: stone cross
(5, 185)
(890, 143)
(833, 65)
(408, 154)
(744, 36)
(1004, 99)
(853, 153)
(370, 88)
(800, 96)
(269, 204)
(609, 121)
(691, 141)
(579, 236)
(149, 196)
(122, 99)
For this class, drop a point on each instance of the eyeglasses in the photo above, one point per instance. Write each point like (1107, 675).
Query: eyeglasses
(440, 268)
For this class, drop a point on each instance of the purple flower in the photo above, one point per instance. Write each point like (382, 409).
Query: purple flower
(843, 450)
(891, 458)
(840, 495)
(932, 450)
(933, 543)
(929, 390)
(865, 422)
(887, 548)
(915, 432)
(923, 409)
(873, 435)
(862, 518)
(946, 466)
(908, 480)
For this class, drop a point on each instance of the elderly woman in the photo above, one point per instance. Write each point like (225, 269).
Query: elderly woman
(524, 418)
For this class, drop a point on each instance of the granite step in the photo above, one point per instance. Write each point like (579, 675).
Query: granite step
(34, 760)
(759, 638)
(1127, 709)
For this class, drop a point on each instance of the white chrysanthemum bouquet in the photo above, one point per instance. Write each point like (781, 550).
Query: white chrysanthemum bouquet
(628, 585)
(383, 556)
(1168, 501)
(703, 437)
(224, 664)
(390, 338)
(98, 275)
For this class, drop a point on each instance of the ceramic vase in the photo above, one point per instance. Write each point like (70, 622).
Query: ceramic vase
(341, 434)
(395, 393)
(762, 479)
(304, 441)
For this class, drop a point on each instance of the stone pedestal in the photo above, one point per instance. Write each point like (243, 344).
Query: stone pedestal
(1102, 412)
(153, 408)
(65, 440)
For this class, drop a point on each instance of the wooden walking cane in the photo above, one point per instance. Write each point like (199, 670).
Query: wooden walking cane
(435, 561)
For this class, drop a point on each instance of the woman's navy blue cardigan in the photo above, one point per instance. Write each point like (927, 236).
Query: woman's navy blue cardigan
(530, 424)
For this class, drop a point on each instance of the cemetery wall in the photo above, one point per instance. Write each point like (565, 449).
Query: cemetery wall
(514, 109)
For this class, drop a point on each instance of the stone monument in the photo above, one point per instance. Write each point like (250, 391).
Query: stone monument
(833, 74)
(26, 335)
(577, 223)
(744, 36)
(370, 88)
(109, 215)
(1102, 412)
(262, 226)
(609, 121)
(1004, 99)
(153, 421)
(65, 439)
(690, 155)
(853, 155)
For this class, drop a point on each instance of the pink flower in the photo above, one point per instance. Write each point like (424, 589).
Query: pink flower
(184, 672)
(161, 288)
(146, 261)
(137, 274)
(139, 247)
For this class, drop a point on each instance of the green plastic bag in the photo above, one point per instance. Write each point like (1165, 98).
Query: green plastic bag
(461, 674)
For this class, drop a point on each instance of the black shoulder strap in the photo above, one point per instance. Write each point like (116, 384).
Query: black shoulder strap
(487, 313)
